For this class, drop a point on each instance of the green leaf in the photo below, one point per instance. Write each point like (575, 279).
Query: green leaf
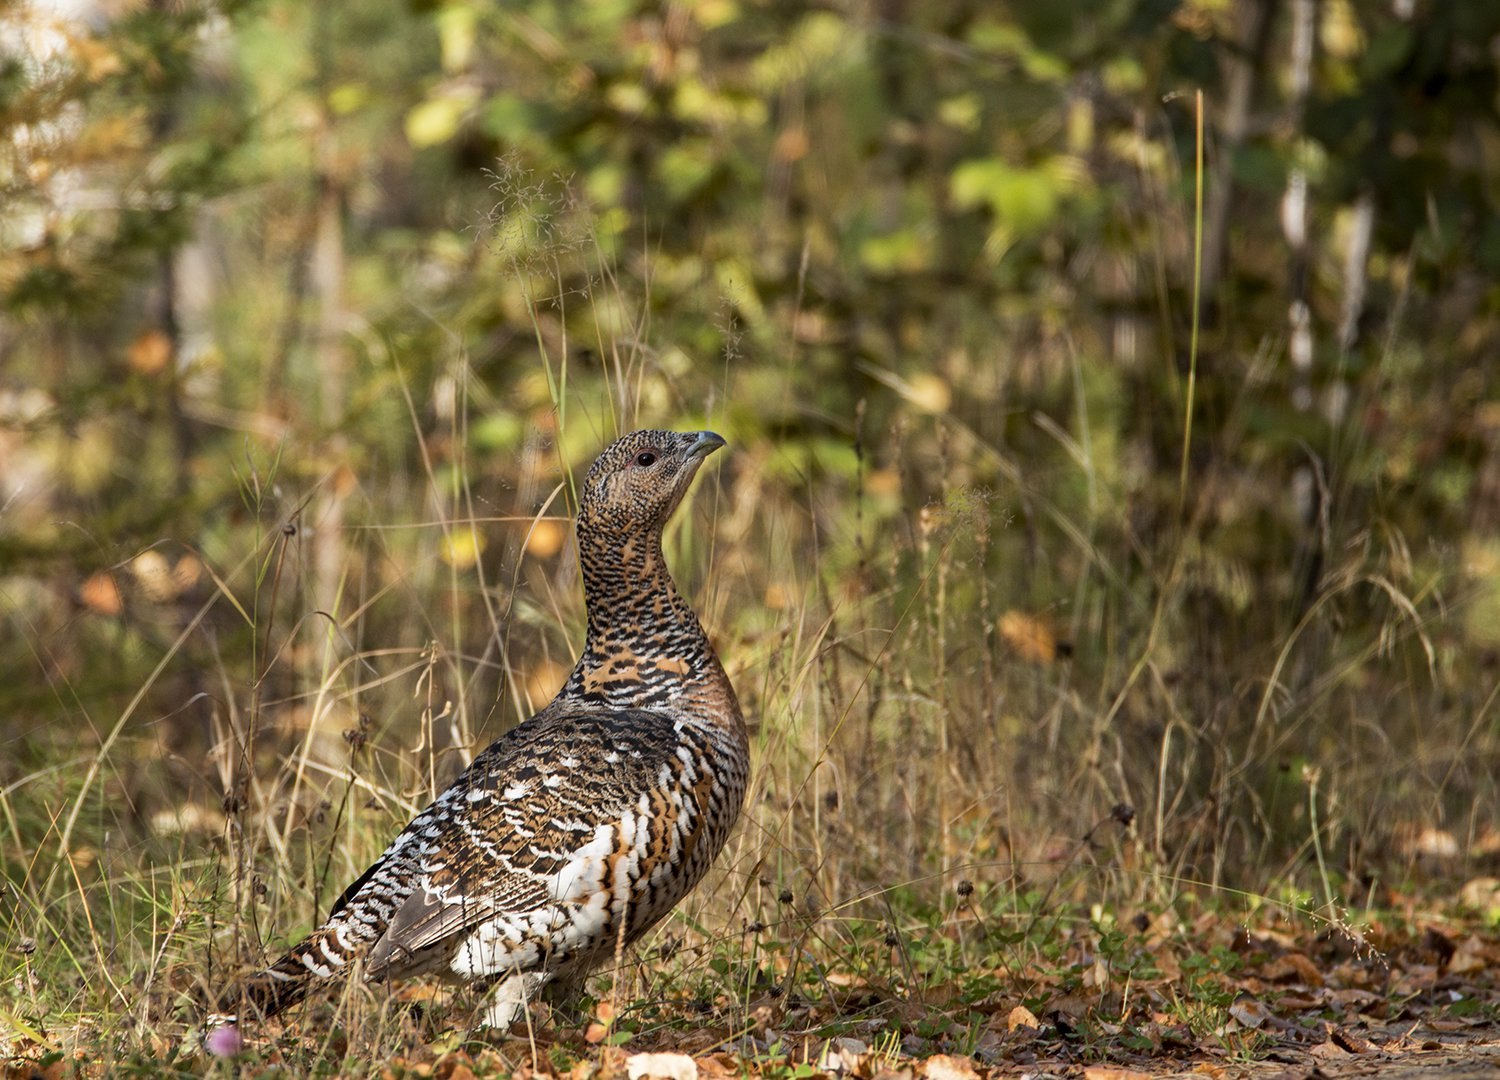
(1024, 200)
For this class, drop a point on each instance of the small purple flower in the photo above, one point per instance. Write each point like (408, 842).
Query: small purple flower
(223, 1041)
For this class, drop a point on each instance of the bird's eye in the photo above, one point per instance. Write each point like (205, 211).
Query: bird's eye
(645, 457)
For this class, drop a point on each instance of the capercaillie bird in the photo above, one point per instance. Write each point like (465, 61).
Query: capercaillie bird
(577, 830)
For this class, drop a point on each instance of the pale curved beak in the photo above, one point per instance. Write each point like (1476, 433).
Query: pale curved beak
(706, 443)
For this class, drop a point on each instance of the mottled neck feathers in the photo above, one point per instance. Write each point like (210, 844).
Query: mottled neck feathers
(645, 646)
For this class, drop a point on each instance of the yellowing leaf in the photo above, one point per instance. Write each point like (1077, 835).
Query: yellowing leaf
(150, 352)
(188, 572)
(545, 539)
(435, 121)
(100, 594)
(598, 1029)
(926, 390)
(347, 98)
(344, 482)
(1482, 894)
(930, 393)
(96, 58)
(1030, 637)
(883, 482)
(154, 574)
(462, 548)
(791, 145)
(457, 30)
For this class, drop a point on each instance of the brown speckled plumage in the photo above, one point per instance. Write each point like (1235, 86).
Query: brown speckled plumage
(581, 827)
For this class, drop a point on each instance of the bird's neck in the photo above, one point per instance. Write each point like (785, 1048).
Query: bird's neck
(645, 647)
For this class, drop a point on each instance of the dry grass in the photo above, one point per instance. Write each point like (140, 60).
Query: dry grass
(998, 706)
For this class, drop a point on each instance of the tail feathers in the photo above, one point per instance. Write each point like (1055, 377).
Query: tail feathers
(267, 992)
(260, 996)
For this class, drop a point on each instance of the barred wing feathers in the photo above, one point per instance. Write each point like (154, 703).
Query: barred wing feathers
(574, 821)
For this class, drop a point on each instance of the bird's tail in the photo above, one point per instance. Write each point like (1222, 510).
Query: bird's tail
(323, 956)
(272, 989)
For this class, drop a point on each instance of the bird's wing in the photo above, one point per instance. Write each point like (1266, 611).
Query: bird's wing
(537, 820)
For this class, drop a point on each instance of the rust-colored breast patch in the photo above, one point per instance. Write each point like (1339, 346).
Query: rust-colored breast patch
(601, 678)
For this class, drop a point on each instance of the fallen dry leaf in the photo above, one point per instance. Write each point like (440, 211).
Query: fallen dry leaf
(451, 1068)
(1024, 1018)
(598, 1029)
(1481, 894)
(1249, 1011)
(1293, 967)
(1472, 955)
(1417, 841)
(1448, 1024)
(1329, 1051)
(1351, 1042)
(842, 1056)
(718, 1066)
(666, 1066)
(948, 1067)
(1353, 999)
(1110, 1072)
(1439, 944)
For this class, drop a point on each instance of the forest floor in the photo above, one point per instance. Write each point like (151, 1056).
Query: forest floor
(1412, 995)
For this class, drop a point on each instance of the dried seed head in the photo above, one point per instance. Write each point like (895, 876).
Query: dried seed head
(965, 887)
(786, 896)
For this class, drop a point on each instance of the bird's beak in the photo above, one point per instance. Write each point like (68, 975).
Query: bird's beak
(706, 443)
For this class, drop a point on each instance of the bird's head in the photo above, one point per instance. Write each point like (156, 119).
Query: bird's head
(638, 481)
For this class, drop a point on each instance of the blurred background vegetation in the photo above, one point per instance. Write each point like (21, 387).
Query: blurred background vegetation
(310, 313)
